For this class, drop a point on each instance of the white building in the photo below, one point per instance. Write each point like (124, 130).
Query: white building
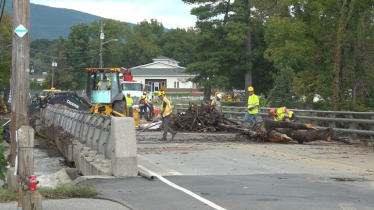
(166, 72)
(38, 78)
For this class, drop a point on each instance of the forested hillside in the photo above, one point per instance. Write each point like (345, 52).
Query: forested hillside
(50, 23)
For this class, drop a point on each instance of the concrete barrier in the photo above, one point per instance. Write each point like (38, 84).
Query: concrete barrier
(124, 150)
(97, 144)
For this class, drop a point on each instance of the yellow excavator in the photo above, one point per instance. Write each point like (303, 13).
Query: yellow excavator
(111, 100)
(230, 96)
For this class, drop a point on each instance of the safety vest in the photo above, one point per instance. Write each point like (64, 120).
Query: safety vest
(168, 108)
(129, 102)
(282, 113)
(252, 101)
(99, 84)
(213, 102)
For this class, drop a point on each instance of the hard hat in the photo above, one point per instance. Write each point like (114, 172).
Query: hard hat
(272, 113)
(250, 88)
(144, 93)
(219, 95)
(128, 94)
(160, 93)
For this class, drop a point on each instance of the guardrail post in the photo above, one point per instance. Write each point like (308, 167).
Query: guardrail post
(313, 121)
(176, 109)
(372, 128)
(297, 114)
(352, 125)
(331, 124)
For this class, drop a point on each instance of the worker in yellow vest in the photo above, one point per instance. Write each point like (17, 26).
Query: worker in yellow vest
(166, 111)
(253, 104)
(103, 84)
(129, 101)
(282, 114)
(217, 102)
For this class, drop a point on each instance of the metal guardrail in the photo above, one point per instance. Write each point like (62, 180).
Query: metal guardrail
(237, 114)
(91, 130)
(185, 98)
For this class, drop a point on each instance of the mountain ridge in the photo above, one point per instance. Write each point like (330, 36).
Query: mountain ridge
(50, 22)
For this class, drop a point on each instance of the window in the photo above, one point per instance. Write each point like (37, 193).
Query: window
(149, 83)
(163, 84)
(177, 84)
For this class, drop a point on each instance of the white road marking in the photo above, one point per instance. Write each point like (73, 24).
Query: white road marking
(346, 206)
(207, 202)
(169, 170)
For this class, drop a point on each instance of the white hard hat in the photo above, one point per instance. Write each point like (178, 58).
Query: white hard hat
(219, 95)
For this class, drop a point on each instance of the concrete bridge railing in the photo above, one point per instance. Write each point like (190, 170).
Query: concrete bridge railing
(97, 144)
(320, 119)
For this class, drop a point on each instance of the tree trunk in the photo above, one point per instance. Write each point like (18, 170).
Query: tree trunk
(248, 74)
(207, 92)
(276, 137)
(344, 18)
(307, 136)
(270, 124)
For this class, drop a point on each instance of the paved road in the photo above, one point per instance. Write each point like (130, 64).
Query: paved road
(228, 175)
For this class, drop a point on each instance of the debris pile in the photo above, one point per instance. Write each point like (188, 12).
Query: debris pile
(202, 118)
(206, 118)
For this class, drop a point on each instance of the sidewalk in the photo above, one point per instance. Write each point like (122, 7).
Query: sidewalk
(75, 203)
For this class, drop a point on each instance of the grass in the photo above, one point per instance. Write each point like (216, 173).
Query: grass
(57, 193)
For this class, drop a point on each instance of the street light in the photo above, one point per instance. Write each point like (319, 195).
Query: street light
(101, 49)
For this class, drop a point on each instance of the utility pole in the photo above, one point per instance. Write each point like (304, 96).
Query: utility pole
(54, 64)
(20, 90)
(101, 43)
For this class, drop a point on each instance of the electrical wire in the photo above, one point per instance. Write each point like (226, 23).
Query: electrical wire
(74, 58)
(48, 67)
(46, 50)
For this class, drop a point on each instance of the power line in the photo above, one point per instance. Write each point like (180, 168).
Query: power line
(74, 58)
(47, 67)
(42, 50)
(46, 49)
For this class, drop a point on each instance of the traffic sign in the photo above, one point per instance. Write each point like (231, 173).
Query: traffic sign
(21, 30)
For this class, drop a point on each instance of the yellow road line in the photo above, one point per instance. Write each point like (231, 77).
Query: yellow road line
(295, 157)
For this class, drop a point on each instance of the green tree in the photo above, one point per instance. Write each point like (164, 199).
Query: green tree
(6, 27)
(141, 46)
(112, 51)
(224, 57)
(179, 44)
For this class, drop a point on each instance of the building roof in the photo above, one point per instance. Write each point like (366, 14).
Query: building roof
(159, 72)
(165, 58)
(150, 64)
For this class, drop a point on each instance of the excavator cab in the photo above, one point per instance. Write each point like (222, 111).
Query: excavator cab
(105, 95)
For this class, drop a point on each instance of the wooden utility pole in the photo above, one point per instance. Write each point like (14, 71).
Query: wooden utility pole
(20, 88)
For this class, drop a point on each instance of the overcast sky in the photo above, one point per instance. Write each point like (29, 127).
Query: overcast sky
(172, 13)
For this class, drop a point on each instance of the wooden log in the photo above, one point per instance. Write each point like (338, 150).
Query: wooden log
(270, 124)
(276, 137)
(307, 135)
(32, 200)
